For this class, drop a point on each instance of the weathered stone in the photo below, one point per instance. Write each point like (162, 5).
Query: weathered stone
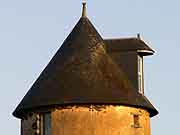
(29, 125)
(109, 120)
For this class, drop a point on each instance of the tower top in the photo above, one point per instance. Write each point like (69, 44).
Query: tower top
(84, 14)
(82, 72)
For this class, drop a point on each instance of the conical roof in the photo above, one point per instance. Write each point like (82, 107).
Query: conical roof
(81, 72)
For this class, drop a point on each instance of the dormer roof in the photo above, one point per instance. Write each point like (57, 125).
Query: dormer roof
(128, 44)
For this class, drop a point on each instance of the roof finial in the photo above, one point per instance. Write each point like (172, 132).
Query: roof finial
(138, 35)
(84, 9)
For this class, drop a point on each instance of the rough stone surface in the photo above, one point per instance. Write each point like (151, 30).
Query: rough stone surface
(99, 120)
(29, 125)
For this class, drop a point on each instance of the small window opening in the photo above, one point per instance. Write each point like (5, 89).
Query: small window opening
(136, 121)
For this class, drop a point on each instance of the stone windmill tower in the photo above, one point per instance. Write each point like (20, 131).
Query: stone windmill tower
(92, 86)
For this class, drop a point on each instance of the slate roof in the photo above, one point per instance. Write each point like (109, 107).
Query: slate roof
(128, 44)
(81, 72)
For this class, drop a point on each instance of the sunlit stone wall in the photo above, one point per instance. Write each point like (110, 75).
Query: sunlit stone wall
(100, 120)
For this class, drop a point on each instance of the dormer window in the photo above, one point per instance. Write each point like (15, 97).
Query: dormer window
(140, 75)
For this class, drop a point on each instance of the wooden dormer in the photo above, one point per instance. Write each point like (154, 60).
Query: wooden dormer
(128, 53)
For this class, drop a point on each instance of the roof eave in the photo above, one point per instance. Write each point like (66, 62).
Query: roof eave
(145, 52)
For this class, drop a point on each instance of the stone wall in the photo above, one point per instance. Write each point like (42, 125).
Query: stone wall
(100, 120)
(91, 120)
(31, 125)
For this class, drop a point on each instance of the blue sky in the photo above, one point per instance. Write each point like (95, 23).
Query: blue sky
(32, 31)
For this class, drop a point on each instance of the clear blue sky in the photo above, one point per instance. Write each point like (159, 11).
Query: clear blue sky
(31, 31)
